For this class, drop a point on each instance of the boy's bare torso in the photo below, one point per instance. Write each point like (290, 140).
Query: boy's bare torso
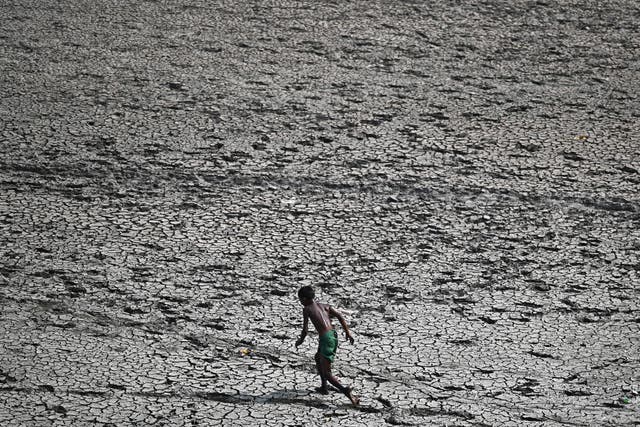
(320, 315)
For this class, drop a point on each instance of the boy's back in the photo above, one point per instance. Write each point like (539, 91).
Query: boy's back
(320, 315)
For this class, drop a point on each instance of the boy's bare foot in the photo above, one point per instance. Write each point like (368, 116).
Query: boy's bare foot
(322, 390)
(354, 399)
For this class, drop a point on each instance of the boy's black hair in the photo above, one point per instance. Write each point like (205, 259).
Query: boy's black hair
(306, 292)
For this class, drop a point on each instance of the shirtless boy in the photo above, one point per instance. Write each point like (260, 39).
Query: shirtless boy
(320, 315)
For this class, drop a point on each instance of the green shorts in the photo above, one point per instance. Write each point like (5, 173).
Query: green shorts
(328, 345)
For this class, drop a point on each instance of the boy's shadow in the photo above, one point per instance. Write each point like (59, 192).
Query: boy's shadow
(284, 396)
(307, 398)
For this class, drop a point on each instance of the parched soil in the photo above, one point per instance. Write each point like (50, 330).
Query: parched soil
(460, 178)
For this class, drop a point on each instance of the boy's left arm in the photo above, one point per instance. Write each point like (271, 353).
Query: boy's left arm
(347, 333)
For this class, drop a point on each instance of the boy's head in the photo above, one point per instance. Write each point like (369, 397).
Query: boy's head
(306, 295)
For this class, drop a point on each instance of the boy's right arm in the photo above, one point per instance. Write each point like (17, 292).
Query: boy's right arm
(305, 328)
(347, 333)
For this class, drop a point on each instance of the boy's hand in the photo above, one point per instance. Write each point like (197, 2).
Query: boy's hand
(348, 336)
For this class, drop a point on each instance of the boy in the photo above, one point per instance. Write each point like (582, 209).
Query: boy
(320, 315)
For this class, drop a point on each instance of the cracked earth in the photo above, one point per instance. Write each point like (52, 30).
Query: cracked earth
(460, 179)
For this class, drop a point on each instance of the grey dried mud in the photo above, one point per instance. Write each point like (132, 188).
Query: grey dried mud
(460, 178)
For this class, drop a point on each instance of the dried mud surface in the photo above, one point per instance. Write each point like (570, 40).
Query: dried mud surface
(460, 178)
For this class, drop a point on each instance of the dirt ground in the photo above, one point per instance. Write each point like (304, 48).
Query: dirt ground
(460, 178)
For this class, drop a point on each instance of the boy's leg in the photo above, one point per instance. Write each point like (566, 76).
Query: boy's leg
(323, 379)
(325, 366)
